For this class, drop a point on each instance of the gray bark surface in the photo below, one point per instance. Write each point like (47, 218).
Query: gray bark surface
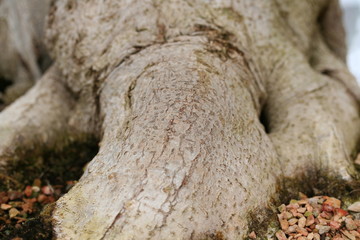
(174, 90)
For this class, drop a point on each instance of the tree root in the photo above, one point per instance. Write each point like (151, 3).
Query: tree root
(37, 120)
(159, 154)
(183, 154)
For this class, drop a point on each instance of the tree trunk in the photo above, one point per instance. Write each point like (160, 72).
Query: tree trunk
(175, 91)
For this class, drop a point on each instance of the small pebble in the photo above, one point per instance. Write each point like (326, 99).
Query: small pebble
(302, 222)
(350, 224)
(302, 231)
(283, 222)
(335, 225)
(292, 229)
(318, 218)
(323, 229)
(5, 206)
(292, 221)
(333, 202)
(301, 210)
(355, 207)
(316, 236)
(348, 235)
(280, 235)
(252, 235)
(310, 220)
(13, 212)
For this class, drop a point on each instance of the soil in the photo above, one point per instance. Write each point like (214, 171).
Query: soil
(30, 187)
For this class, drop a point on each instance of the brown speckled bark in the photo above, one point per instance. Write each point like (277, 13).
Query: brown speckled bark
(175, 89)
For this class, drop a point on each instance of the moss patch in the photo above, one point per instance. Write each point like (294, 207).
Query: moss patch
(52, 169)
(52, 166)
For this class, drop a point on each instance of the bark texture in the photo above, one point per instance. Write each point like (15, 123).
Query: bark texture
(175, 90)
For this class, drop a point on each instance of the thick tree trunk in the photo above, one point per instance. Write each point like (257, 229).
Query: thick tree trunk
(175, 90)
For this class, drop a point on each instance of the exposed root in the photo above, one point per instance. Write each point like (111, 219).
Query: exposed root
(157, 167)
(313, 119)
(183, 154)
(36, 120)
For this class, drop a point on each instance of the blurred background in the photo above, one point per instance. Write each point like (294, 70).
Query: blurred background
(352, 24)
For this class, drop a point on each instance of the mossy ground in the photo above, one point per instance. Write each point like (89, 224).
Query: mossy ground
(53, 168)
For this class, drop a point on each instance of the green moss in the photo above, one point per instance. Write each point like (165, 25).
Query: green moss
(53, 166)
(263, 221)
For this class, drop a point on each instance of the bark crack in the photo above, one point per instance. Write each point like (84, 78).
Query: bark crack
(172, 202)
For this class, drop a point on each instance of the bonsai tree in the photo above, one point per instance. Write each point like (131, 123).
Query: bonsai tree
(202, 109)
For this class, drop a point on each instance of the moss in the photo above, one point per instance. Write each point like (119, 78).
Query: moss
(7, 182)
(263, 221)
(52, 167)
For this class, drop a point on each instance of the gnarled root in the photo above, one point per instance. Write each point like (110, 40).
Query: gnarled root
(314, 122)
(183, 154)
(37, 120)
(178, 138)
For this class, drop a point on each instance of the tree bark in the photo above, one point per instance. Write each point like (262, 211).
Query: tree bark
(175, 91)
